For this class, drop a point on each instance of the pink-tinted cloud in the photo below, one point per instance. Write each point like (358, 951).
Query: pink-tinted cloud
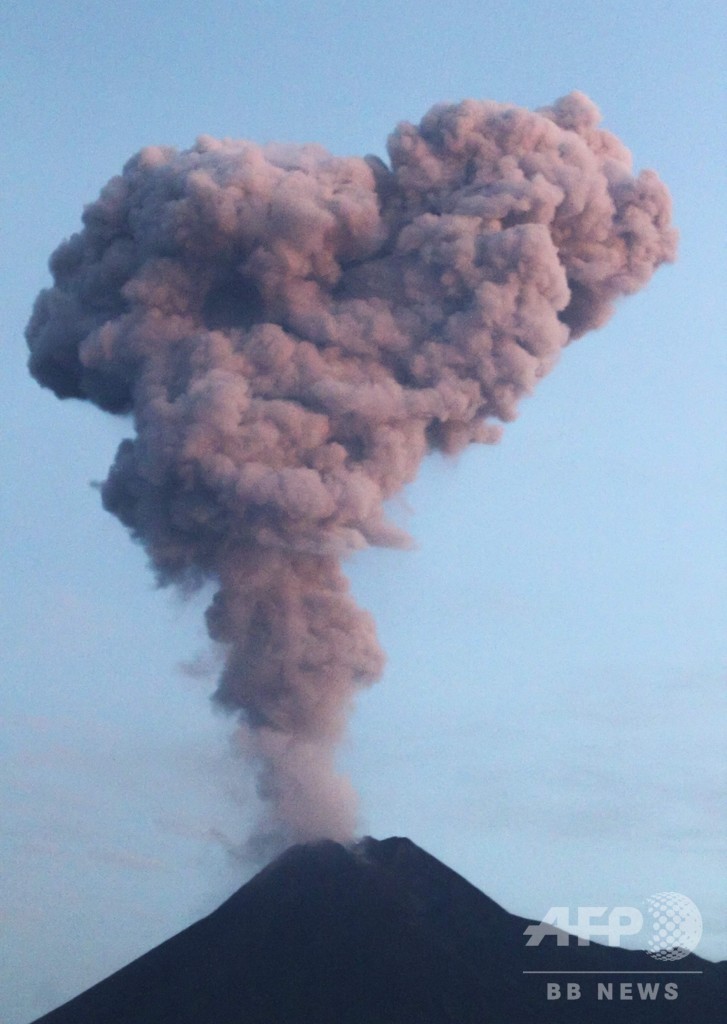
(293, 332)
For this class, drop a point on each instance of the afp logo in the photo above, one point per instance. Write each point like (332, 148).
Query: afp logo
(675, 926)
(672, 929)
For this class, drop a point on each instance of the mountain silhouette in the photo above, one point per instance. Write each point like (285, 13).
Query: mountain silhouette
(383, 933)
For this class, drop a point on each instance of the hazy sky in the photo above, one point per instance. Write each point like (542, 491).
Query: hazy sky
(551, 719)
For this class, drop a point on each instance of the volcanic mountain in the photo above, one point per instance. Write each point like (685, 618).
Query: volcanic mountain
(382, 933)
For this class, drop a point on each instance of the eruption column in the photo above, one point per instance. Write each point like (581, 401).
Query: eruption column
(292, 332)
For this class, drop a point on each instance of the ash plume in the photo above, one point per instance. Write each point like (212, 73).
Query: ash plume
(292, 332)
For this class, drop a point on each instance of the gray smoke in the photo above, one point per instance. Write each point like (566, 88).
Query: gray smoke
(292, 332)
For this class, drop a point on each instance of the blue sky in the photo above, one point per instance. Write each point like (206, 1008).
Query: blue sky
(551, 717)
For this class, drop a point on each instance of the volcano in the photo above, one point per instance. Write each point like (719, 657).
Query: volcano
(383, 933)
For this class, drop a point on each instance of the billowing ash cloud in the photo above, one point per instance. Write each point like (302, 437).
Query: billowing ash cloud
(292, 332)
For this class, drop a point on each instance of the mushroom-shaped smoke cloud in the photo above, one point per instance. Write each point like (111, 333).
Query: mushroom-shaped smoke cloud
(292, 332)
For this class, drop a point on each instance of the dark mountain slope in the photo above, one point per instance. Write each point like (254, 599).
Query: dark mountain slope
(381, 933)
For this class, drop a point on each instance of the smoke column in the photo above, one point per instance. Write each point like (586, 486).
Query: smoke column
(292, 332)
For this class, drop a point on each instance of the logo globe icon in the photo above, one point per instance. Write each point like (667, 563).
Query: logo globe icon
(676, 926)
